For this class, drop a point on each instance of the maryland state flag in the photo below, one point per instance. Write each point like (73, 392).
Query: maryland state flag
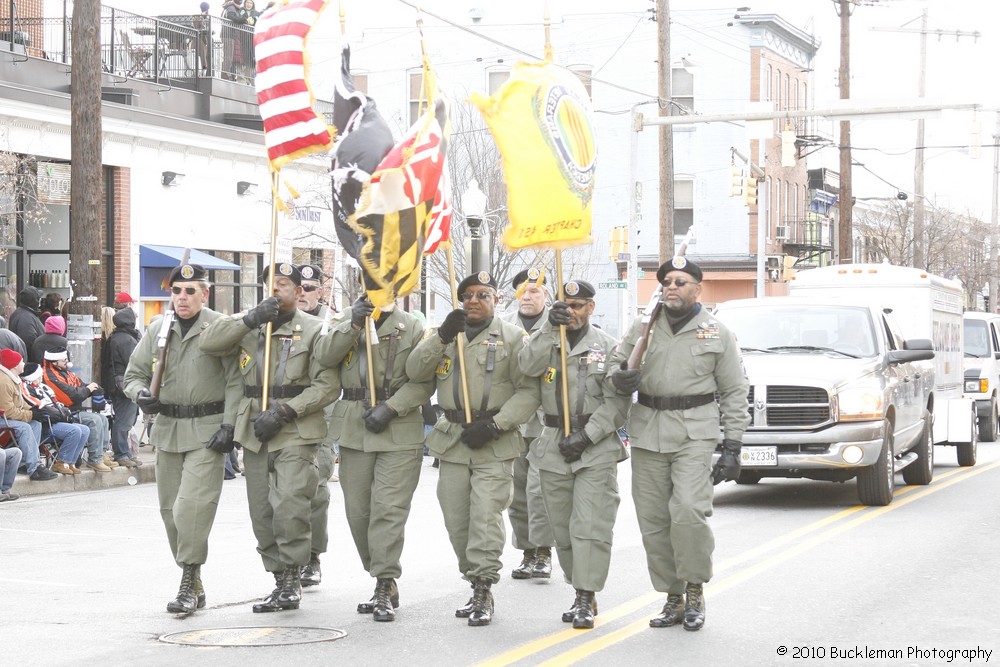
(396, 207)
(541, 121)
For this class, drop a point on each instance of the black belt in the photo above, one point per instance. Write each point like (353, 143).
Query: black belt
(361, 394)
(190, 411)
(576, 422)
(458, 416)
(675, 402)
(285, 391)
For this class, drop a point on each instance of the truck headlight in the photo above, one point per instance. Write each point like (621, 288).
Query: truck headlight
(860, 404)
(852, 454)
(977, 386)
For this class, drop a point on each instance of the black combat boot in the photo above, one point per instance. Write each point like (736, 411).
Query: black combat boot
(311, 572)
(281, 597)
(368, 607)
(186, 601)
(523, 571)
(586, 610)
(482, 604)
(466, 611)
(199, 590)
(694, 608)
(386, 599)
(672, 614)
(542, 569)
(570, 614)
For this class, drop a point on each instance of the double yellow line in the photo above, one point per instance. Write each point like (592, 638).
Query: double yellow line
(825, 529)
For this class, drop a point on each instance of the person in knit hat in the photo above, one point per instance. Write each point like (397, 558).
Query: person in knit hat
(71, 391)
(72, 437)
(54, 338)
(18, 414)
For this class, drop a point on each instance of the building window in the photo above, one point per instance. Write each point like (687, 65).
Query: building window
(235, 291)
(416, 79)
(767, 85)
(682, 91)
(683, 206)
(496, 78)
(360, 82)
(584, 74)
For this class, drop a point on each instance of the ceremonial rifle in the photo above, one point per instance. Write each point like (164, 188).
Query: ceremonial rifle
(166, 324)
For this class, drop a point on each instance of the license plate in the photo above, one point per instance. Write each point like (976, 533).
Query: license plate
(759, 456)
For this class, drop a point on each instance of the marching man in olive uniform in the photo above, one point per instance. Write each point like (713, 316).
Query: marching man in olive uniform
(196, 409)
(526, 511)
(578, 472)
(281, 441)
(475, 480)
(674, 429)
(381, 439)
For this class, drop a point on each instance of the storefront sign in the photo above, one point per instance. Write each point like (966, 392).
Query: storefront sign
(53, 183)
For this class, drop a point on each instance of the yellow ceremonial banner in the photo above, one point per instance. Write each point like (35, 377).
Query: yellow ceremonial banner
(541, 121)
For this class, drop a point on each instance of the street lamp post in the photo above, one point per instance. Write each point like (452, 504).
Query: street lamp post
(477, 246)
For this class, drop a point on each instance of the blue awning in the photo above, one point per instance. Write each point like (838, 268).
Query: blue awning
(168, 256)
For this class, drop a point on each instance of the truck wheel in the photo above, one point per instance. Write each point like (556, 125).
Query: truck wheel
(988, 427)
(748, 477)
(921, 471)
(876, 482)
(967, 450)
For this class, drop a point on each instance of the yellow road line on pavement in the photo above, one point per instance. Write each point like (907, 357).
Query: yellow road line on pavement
(837, 525)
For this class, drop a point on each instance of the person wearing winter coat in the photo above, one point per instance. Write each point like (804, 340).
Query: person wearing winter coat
(24, 320)
(54, 338)
(118, 349)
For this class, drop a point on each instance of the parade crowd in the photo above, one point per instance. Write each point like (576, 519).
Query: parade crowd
(522, 413)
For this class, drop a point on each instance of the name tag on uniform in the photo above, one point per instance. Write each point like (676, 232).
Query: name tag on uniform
(443, 368)
(707, 332)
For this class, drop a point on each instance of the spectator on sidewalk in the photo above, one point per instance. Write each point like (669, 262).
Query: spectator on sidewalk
(72, 392)
(18, 415)
(70, 436)
(52, 304)
(124, 300)
(54, 338)
(117, 350)
(10, 459)
(24, 320)
(10, 341)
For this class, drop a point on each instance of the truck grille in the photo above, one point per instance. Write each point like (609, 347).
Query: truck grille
(789, 406)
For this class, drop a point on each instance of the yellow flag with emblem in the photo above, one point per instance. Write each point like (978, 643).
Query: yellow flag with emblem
(542, 123)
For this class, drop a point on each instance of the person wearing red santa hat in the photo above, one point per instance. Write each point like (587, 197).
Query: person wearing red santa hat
(18, 415)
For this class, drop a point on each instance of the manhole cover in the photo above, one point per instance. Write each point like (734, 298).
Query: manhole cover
(256, 636)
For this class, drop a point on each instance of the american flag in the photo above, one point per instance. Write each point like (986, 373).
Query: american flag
(292, 128)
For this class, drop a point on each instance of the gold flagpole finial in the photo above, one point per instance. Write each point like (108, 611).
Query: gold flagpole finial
(548, 34)
(343, 19)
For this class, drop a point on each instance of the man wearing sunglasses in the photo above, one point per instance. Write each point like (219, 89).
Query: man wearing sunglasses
(381, 438)
(578, 472)
(475, 478)
(691, 357)
(312, 291)
(196, 410)
(526, 511)
(280, 440)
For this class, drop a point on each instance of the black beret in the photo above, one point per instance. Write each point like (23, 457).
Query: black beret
(484, 278)
(579, 289)
(287, 270)
(310, 272)
(679, 264)
(531, 274)
(187, 272)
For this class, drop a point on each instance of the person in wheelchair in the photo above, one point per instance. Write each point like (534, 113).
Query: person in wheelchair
(71, 391)
(57, 419)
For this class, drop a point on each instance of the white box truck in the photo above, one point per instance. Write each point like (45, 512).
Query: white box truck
(982, 370)
(924, 306)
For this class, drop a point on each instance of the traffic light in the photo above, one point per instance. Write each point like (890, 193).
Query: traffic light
(789, 271)
(749, 191)
(788, 146)
(735, 181)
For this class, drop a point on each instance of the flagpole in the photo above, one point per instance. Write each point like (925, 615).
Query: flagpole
(369, 326)
(458, 338)
(265, 372)
(562, 345)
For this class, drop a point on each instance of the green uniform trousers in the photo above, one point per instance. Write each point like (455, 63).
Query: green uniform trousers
(319, 515)
(673, 500)
(528, 523)
(189, 485)
(473, 497)
(280, 489)
(378, 489)
(582, 508)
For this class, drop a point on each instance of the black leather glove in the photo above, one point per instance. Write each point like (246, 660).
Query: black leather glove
(147, 402)
(264, 312)
(54, 414)
(727, 468)
(478, 433)
(572, 446)
(222, 441)
(454, 324)
(361, 309)
(559, 314)
(267, 424)
(625, 380)
(377, 418)
(65, 414)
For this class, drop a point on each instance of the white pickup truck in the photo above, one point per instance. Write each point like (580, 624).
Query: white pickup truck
(981, 348)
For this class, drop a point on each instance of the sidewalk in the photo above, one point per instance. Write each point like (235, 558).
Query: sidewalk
(90, 480)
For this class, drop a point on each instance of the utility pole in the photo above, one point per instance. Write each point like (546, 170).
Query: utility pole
(845, 241)
(86, 185)
(994, 262)
(666, 132)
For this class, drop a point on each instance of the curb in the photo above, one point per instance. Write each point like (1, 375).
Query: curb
(90, 480)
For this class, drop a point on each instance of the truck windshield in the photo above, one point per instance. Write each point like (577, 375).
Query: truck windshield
(977, 342)
(843, 329)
